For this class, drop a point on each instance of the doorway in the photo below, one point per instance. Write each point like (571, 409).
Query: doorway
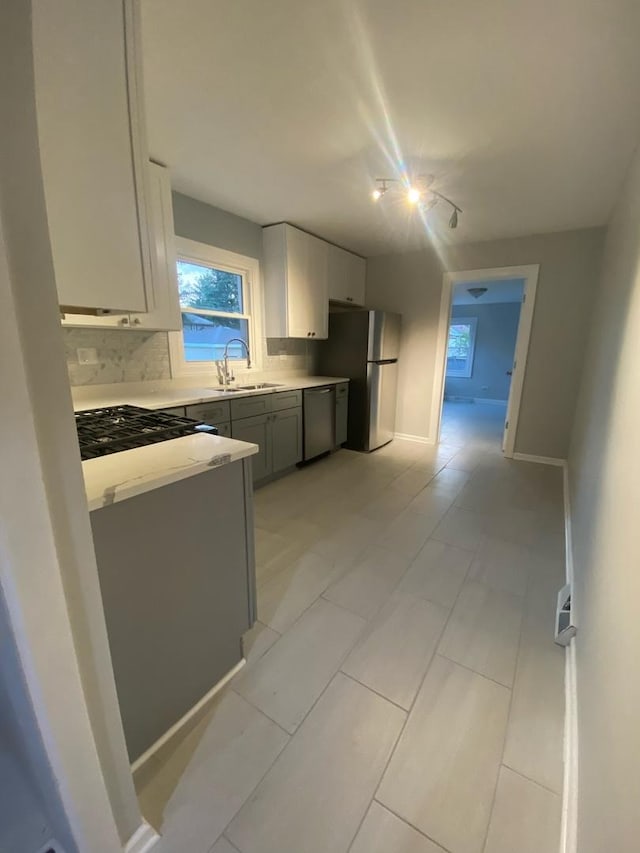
(483, 342)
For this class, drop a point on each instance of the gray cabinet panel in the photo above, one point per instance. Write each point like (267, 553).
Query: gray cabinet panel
(176, 582)
(286, 437)
(211, 413)
(286, 400)
(257, 431)
(249, 407)
(176, 410)
(342, 390)
(224, 429)
(342, 416)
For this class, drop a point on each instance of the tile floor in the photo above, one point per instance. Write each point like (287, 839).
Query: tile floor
(403, 693)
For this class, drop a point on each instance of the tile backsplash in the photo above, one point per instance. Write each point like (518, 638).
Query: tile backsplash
(126, 355)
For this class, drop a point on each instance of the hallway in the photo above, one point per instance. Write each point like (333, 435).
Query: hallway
(402, 693)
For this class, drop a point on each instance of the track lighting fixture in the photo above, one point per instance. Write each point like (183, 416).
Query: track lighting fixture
(419, 194)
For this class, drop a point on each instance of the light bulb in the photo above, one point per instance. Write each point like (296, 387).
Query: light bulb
(376, 194)
(413, 195)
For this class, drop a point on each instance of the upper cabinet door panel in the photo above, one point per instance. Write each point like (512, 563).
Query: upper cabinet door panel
(346, 276)
(295, 280)
(92, 190)
(162, 296)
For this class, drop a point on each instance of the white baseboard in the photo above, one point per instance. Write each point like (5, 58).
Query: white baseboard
(541, 460)
(139, 762)
(419, 439)
(143, 839)
(569, 828)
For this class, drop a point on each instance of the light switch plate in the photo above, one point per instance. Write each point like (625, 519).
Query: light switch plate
(87, 355)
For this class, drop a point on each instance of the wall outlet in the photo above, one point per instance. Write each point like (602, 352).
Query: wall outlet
(87, 355)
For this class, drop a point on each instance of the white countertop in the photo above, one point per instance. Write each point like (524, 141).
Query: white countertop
(168, 393)
(123, 475)
(118, 476)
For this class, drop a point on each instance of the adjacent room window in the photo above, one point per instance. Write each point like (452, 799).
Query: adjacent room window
(217, 291)
(462, 342)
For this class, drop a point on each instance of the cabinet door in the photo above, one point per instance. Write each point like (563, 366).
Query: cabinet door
(318, 284)
(346, 276)
(300, 306)
(342, 415)
(91, 151)
(286, 438)
(164, 304)
(256, 431)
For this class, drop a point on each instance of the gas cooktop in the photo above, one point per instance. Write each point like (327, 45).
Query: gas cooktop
(115, 428)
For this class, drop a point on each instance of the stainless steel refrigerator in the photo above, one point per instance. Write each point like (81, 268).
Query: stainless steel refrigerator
(363, 347)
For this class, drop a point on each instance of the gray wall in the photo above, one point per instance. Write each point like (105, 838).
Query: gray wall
(411, 283)
(199, 221)
(605, 495)
(496, 332)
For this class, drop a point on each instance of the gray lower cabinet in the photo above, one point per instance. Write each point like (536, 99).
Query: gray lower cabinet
(177, 576)
(286, 439)
(256, 430)
(277, 434)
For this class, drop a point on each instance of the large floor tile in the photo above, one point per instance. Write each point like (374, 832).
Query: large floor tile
(257, 641)
(288, 594)
(288, 679)
(386, 506)
(396, 648)
(432, 502)
(461, 527)
(370, 582)
(347, 540)
(442, 775)
(198, 789)
(383, 832)
(413, 481)
(535, 735)
(408, 532)
(437, 573)
(502, 566)
(314, 797)
(484, 631)
(223, 846)
(525, 817)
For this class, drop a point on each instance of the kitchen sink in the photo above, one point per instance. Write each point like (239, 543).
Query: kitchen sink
(259, 386)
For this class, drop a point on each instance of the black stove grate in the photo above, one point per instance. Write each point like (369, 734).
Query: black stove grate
(116, 428)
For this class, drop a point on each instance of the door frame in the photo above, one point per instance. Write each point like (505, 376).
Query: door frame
(529, 273)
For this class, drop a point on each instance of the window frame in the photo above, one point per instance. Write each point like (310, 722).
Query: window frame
(192, 251)
(467, 371)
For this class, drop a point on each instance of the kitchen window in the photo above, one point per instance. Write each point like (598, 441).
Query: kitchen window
(461, 347)
(219, 301)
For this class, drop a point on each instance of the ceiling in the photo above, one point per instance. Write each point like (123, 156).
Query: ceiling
(498, 290)
(526, 111)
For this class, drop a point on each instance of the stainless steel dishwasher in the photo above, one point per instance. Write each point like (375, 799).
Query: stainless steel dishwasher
(319, 421)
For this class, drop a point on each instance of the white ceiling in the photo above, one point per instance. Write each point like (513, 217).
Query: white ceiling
(498, 290)
(526, 111)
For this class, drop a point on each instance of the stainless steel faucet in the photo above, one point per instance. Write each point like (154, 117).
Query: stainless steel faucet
(227, 377)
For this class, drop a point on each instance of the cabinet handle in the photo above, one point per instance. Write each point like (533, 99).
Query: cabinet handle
(124, 321)
(136, 321)
(313, 334)
(349, 298)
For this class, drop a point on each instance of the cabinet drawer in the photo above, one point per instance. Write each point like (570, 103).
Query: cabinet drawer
(178, 411)
(286, 400)
(211, 413)
(342, 390)
(249, 407)
(223, 429)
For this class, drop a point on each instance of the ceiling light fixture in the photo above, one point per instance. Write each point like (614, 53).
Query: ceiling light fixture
(420, 194)
(476, 292)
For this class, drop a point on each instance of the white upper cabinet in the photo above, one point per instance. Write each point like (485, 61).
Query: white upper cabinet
(346, 276)
(92, 151)
(295, 283)
(162, 291)
(162, 296)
